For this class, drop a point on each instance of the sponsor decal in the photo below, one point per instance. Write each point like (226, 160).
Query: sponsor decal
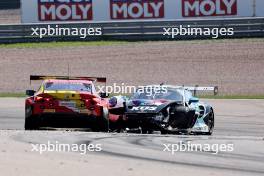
(199, 8)
(144, 108)
(49, 110)
(65, 10)
(68, 104)
(136, 9)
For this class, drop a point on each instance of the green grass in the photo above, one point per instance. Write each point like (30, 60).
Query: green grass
(61, 44)
(108, 42)
(8, 95)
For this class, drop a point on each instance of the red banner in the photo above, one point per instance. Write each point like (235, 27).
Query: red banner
(198, 8)
(136, 9)
(72, 10)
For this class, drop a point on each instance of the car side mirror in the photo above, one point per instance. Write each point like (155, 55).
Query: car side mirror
(30, 92)
(103, 95)
(193, 100)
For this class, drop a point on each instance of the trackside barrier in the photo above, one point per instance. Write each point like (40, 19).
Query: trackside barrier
(136, 30)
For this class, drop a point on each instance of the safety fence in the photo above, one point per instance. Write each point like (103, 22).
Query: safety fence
(139, 30)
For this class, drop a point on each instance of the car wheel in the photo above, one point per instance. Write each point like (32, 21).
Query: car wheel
(31, 122)
(119, 125)
(210, 122)
(146, 131)
(102, 123)
(163, 132)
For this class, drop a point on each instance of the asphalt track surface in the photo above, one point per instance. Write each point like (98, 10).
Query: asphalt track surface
(238, 122)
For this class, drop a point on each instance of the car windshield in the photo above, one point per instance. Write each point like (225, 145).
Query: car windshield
(68, 86)
(170, 94)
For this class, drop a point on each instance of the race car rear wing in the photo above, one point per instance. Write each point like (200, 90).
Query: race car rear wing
(44, 77)
(197, 88)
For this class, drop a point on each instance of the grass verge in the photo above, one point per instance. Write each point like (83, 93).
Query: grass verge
(109, 42)
(10, 95)
(61, 44)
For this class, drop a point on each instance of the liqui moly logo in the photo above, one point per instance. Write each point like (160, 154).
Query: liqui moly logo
(65, 10)
(136, 9)
(199, 8)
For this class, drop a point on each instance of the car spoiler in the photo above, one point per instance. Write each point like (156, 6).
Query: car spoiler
(44, 77)
(198, 88)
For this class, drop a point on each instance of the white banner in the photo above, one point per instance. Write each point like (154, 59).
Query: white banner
(41, 11)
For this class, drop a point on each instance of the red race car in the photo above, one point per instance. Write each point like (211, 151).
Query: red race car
(66, 102)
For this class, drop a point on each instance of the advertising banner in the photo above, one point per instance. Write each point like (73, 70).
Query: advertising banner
(144, 9)
(39, 11)
(57, 10)
(192, 8)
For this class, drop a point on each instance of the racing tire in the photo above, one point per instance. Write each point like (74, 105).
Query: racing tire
(163, 132)
(146, 131)
(210, 122)
(120, 126)
(102, 123)
(31, 122)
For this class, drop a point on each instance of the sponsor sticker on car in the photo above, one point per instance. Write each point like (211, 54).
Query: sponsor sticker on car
(144, 108)
(49, 111)
(68, 104)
